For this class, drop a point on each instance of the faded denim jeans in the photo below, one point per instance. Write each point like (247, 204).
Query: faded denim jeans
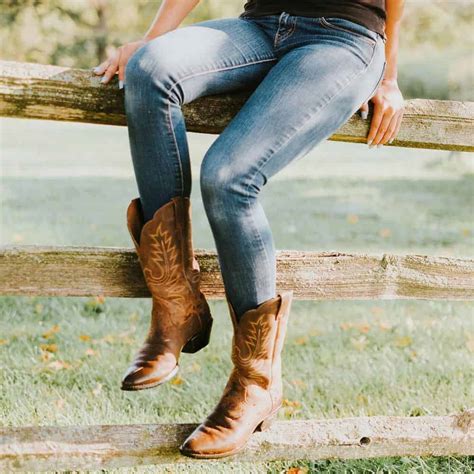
(309, 75)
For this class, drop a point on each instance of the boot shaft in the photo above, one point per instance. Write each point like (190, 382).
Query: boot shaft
(258, 341)
(164, 244)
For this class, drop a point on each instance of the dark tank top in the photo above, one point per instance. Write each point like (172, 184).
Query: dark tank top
(369, 13)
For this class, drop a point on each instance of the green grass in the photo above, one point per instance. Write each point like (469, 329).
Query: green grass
(342, 358)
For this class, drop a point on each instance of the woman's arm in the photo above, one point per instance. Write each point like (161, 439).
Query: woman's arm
(388, 100)
(169, 16)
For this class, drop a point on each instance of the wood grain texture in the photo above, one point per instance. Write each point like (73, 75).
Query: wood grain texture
(85, 271)
(100, 447)
(59, 93)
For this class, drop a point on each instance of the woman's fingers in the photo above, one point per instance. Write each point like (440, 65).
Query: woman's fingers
(112, 68)
(397, 127)
(100, 69)
(121, 68)
(388, 114)
(375, 123)
(390, 132)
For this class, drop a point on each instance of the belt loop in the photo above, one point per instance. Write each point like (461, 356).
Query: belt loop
(281, 16)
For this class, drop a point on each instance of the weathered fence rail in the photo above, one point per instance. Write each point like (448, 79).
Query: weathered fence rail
(56, 93)
(78, 271)
(105, 447)
(60, 93)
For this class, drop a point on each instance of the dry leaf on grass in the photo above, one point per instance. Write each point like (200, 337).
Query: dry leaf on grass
(470, 342)
(299, 383)
(352, 218)
(49, 347)
(297, 470)
(301, 341)
(291, 403)
(97, 390)
(59, 365)
(359, 343)
(377, 310)
(403, 341)
(51, 332)
(59, 403)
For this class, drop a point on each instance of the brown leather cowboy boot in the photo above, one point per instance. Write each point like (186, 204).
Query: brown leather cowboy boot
(180, 318)
(253, 393)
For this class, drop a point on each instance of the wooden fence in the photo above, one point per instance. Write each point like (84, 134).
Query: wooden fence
(56, 93)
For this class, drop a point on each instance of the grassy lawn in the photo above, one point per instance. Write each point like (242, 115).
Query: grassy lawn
(62, 359)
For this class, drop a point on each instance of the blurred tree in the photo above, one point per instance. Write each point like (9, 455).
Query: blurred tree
(437, 40)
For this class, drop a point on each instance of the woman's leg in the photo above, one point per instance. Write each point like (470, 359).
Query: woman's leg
(305, 98)
(177, 67)
(208, 57)
(313, 89)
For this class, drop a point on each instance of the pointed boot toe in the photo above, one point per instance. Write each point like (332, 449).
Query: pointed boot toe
(149, 375)
(253, 393)
(180, 319)
(207, 443)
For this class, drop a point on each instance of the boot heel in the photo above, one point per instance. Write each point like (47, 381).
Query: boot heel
(199, 341)
(266, 423)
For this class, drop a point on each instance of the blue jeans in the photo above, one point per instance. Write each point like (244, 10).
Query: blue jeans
(309, 76)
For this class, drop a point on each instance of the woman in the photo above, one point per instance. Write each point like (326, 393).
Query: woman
(312, 65)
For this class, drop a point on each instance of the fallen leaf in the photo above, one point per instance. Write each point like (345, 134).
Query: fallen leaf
(195, 367)
(177, 381)
(301, 341)
(59, 403)
(133, 316)
(299, 383)
(362, 399)
(99, 299)
(49, 347)
(109, 338)
(84, 337)
(362, 327)
(352, 218)
(404, 341)
(97, 390)
(45, 356)
(59, 365)
(359, 343)
(297, 470)
(289, 412)
(345, 326)
(18, 238)
(384, 326)
(470, 342)
(291, 403)
(51, 332)
(3, 342)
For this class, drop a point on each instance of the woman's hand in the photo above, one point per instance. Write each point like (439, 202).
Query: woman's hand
(117, 62)
(388, 112)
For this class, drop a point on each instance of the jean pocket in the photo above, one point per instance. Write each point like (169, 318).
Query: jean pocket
(350, 27)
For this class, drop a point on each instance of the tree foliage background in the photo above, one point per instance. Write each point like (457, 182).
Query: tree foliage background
(436, 42)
